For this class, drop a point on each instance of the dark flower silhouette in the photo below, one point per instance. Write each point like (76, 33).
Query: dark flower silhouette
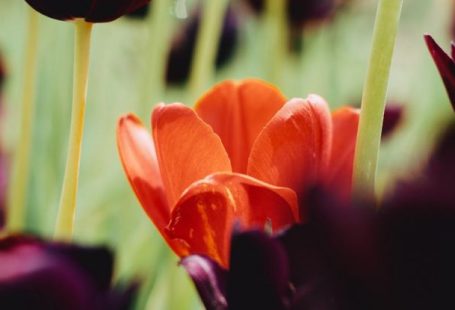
(94, 11)
(183, 46)
(348, 256)
(301, 12)
(35, 274)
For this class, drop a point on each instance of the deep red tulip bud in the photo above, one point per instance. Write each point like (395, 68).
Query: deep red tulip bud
(94, 11)
(445, 65)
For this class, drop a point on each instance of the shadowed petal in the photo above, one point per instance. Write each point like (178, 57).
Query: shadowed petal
(205, 215)
(187, 148)
(138, 156)
(345, 124)
(237, 112)
(210, 280)
(445, 65)
(259, 273)
(293, 150)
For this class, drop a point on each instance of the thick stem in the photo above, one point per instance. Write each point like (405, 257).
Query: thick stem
(17, 192)
(276, 39)
(374, 97)
(211, 25)
(67, 209)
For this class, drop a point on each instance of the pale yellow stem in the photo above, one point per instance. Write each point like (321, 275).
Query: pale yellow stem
(17, 191)
(67, 209)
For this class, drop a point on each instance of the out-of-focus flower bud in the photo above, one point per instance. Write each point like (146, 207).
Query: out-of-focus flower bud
(393, 115)
(35, 274)
(181, 55)
(94, 11)
(301, 12)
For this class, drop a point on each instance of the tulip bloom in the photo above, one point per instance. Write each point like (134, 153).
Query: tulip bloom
(243, 155)
(93, 11)
(445, 65)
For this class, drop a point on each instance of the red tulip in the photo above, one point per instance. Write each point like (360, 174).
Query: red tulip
(243, 155)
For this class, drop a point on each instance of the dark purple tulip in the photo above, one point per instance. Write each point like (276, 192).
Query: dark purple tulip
(182, 50)
(400, 256)
(445, 65)
(393, 115)
(40, 275)
(94, 11)
(301, 12)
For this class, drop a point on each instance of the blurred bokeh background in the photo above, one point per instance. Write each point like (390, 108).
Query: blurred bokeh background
(327, 56)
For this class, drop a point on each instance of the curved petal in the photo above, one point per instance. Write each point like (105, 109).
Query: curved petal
(210, 280)
(339, 175)
(293, 150)
(187, 148)
(138, 156)
(204, 217)
(237, 112)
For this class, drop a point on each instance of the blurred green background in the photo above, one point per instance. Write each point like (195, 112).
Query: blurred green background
(333, 64)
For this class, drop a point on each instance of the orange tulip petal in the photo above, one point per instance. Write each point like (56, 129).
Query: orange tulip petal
(237, 112)
(205, 215)
(187, 148)
(345, 125)
(138, 156)
(293, 150)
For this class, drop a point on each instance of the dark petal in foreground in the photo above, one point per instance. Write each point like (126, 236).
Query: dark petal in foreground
(210, 280)
(38, 275)
(258, 277)
(445, 65)
(95, 11)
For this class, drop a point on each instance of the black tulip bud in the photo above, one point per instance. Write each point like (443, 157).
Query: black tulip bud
(182, 51)
(94, 11)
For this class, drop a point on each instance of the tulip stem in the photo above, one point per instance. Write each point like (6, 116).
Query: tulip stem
(210, 29)
(276, 39)
(374, 97)
(17, 192)
(67, 208)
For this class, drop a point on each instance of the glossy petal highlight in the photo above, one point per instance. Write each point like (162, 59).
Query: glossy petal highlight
(237, 112)
(293, 150)
(187, 148)
(205, 215)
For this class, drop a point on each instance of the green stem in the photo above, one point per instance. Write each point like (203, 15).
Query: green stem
(276, 39)
(374, 97)
(160, 23)
(17, 193)
(207, 46)
(67, 209)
